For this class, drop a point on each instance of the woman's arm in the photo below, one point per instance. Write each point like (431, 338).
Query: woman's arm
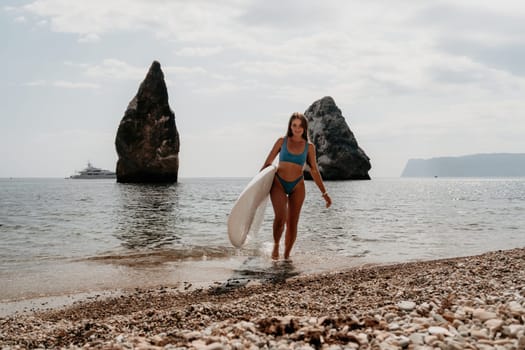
(274, 152)
(316, 176)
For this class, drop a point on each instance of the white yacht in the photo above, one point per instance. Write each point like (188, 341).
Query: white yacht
(92, 172)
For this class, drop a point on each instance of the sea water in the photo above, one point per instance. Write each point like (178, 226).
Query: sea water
(61, 236)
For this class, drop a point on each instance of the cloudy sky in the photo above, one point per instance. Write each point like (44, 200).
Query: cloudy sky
(414, 79)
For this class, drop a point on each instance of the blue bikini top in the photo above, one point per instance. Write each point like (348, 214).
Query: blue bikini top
(286, 156)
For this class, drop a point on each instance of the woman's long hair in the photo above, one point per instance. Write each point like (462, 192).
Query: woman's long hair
(304, 124)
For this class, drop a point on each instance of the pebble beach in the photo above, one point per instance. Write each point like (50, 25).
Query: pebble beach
(475, 302)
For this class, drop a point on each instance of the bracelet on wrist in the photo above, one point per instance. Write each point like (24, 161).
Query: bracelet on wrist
(325, 193)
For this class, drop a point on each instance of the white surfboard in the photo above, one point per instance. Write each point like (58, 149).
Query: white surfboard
(247, 213)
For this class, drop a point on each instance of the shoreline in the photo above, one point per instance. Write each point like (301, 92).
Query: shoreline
(44, 287)
(455, 302)
(178, 276)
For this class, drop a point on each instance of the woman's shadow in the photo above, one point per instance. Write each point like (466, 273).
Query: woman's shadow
(256, 269)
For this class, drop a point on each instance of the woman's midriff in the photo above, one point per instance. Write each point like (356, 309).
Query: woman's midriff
(289, 171)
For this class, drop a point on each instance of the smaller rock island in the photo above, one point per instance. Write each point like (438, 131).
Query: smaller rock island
(339, 157)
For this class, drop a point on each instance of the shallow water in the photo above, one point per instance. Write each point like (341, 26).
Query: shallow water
(65, 236)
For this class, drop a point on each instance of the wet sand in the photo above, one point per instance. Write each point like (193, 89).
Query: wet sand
(62, 282)
(460, 303)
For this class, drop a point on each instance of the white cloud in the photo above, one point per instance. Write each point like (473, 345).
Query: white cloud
(184, 70)
(222, 88)
(357, 42)
(74, 85)
(62, 84)
(36, 83)
(505, 7)
(115, 69)
(20, 19)
(76, 64)
(198, 51)
(89, 38)
(184, 20)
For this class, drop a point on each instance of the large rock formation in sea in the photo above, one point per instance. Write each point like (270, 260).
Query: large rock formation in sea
(339, 157)
(147, 139)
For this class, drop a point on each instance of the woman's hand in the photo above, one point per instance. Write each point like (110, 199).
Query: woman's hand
(327, 199)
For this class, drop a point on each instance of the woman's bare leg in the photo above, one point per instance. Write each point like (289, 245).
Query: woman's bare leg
(295, 203)
(279, 203)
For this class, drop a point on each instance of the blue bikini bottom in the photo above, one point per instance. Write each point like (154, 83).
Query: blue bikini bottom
(289, 186)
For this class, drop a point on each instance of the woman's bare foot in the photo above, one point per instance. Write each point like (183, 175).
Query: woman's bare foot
(275, 252)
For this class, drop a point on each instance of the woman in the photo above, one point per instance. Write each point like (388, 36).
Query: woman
(288, 190)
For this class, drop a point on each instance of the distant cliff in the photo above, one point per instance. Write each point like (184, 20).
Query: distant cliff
(476, 165)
